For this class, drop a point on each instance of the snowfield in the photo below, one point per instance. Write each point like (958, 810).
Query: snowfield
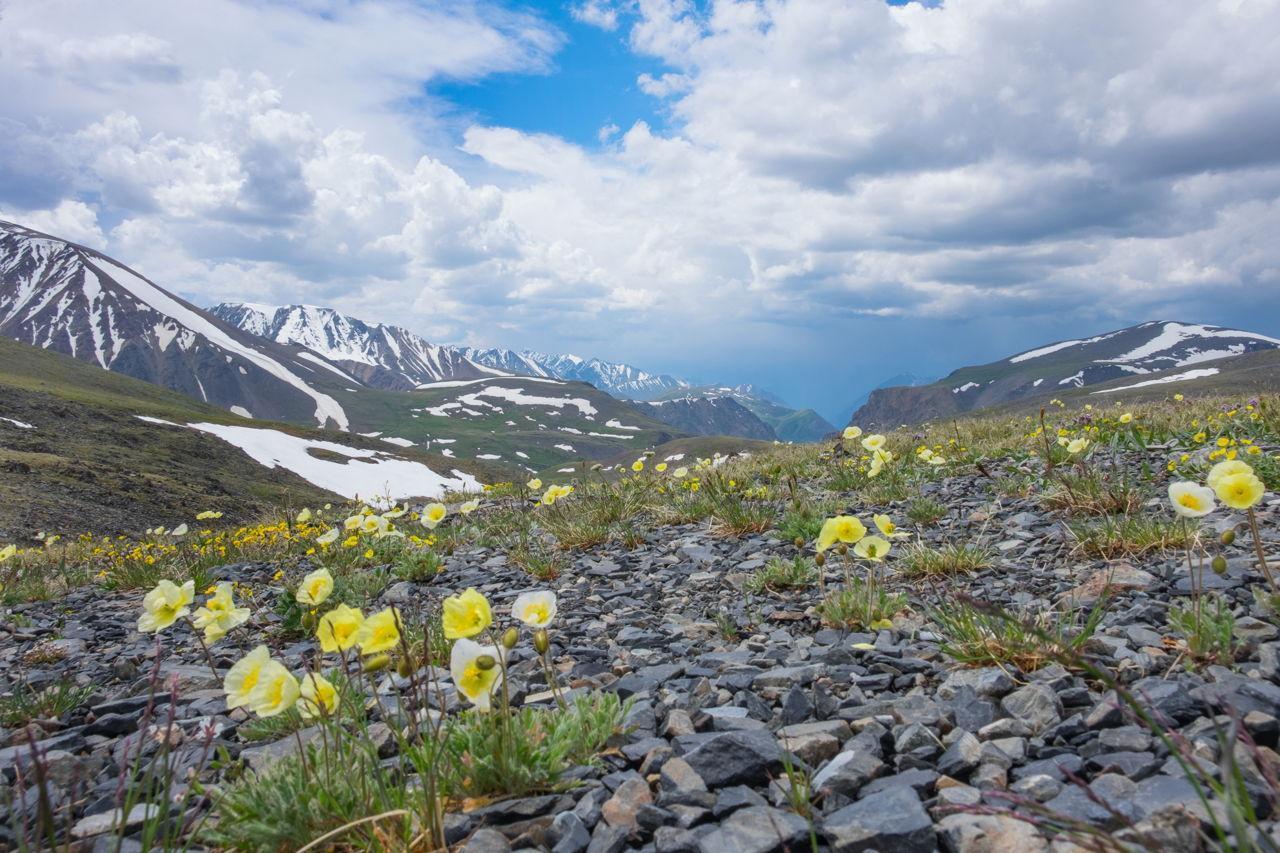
(1198, 373)
(366, 475)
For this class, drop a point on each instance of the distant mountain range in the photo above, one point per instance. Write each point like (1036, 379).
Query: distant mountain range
(1157, 354)
(787, 424)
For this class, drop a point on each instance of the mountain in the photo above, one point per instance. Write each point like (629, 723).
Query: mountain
(621, 380)
(900, 380)
(708, 416)
(83, 449)
(787, 424)
(378, 355)
(71, 299)
(1152, 354)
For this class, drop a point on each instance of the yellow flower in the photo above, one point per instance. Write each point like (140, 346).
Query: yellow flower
(276, 691)
(351, 541)
(465, 614)
(1239, 491)
(638, 465)
(476, 671)
(305, 515)
(220, 614)
(352, 522)
(1126, 418)
(166, 604)
(660, 467)
(887, 527)
(329, 536)
(379, 632)
(851, 432)
(337, 629)
(368, 554)
(8, 552)
(470, 506)
(433, 514)
(680, 473)
(315, 588)
(1191, 500)
(1078, 445)
(1178, 397)
(873, 442)
(534, 484)
(535, 609)
(242, 678)
(1226, 469)
(842, 528)
(872, 548)
(207, 514)
(555, 493)
(317, 697)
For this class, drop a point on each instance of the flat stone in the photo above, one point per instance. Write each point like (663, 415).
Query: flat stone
(891, 821)
(756, 829)
(979, 833)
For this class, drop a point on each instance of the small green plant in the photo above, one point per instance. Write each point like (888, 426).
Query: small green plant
(779, 574)
(953, 558)
(803, 523)
(537, 561)
(975, 635)
(1092, 493)
(1119, 536)
(725, 625)
(860, 604)
(25, 704)
(1207, 630)
(926, 511)
(541, 744)
(416, 565)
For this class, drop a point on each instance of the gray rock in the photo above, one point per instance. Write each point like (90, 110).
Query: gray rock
(1035, 705)
(736, 758)
(978, 833)
(892, 821)
(485, 840)
(962, 756)
(567, 834)
(756, 829)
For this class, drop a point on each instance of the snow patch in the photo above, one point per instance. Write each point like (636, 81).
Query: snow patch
(567, 448)
(488, 456)
(1198, 373)
(367, 475)
(1076, 380)
(1052, 348)
(965, 387)
(617, 424)
(18, 424)
(241, 411)
(399, 442)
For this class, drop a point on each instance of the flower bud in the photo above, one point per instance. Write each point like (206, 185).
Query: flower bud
(486, 662)
(843, 549)
(820, 559)
(1228, 536)
(1219, 565)
(375, 663)
(799, 542)
(404, 667)
(510, 638)
(541, 642)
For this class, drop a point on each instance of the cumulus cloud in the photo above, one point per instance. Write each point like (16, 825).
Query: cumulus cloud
(825, 166)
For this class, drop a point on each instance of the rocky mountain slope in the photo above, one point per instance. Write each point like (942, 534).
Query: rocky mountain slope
(378, 355)
(708, 416)
(787, 424)
(1156, 352)
(71, 299)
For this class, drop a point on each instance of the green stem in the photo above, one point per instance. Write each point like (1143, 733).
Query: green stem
(1257, 547)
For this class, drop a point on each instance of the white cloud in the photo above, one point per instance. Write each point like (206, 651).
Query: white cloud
(825, 161)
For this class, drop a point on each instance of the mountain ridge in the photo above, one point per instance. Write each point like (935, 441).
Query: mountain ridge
(1159, 348)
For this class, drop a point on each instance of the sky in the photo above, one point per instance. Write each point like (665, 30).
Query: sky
(811, 195)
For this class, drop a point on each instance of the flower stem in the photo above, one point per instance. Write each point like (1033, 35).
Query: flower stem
(1257, 547)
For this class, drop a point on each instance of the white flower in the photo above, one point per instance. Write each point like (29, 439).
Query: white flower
(535, 609)
(1191, 500)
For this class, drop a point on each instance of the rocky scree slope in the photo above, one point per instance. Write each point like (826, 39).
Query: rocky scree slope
(1170, 351)
(900, 745)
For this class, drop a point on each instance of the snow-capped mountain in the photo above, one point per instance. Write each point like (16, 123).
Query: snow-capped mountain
(379, 355)
(1158, 347)
(621, 380)
(72, 299)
